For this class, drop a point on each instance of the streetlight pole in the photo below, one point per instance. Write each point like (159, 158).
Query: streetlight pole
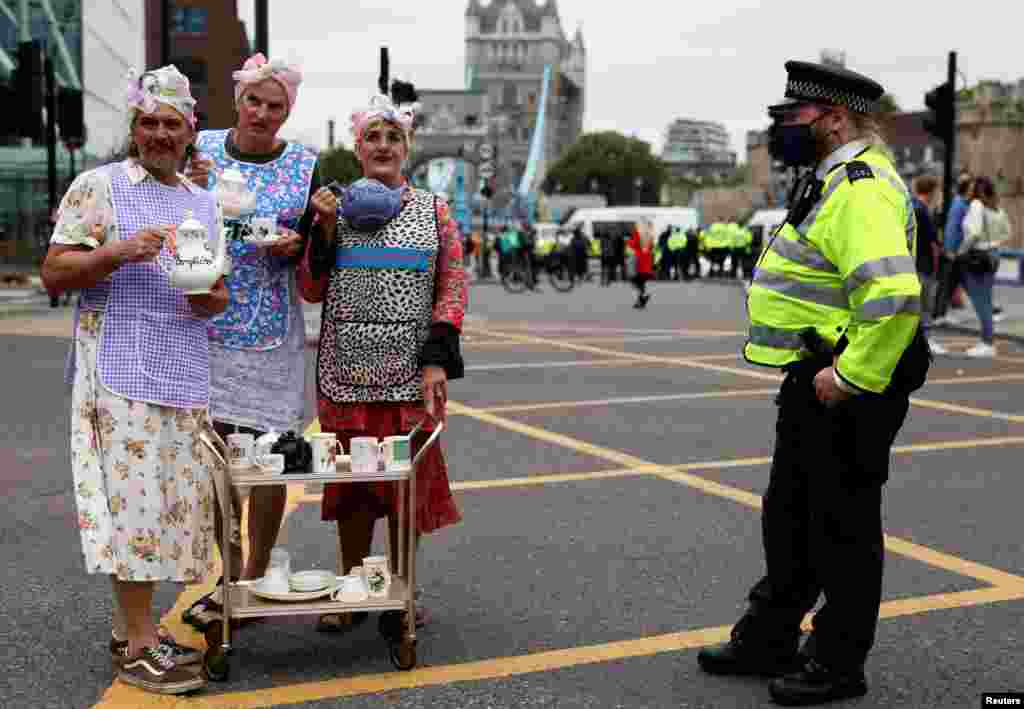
(262, 22)
(165, 32)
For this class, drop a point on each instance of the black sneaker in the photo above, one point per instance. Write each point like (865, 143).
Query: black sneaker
(817, 684)
(747, 654)
(153, 671)
(180, 654)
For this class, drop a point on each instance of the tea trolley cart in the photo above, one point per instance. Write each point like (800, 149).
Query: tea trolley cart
(239, 602)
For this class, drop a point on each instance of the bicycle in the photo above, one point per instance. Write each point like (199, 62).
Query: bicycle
(518, 276)
(560, 270)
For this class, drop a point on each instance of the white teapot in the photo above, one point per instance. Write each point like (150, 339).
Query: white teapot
(195, 268)
(232, 192)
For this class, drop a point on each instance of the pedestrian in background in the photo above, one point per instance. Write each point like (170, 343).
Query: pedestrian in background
(578, 248)
(929, 251)
(985, 227)
(642, 245)
(953, 236)
(835, 304)
(140, 373)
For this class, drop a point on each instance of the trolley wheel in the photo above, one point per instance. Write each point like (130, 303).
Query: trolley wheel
(216, 665)
(403, 654)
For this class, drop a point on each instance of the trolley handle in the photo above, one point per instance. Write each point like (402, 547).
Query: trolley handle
(426, 445)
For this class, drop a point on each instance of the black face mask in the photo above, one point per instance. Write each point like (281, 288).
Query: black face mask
(794, 145)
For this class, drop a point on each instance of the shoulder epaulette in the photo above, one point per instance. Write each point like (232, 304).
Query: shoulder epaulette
(858, 170)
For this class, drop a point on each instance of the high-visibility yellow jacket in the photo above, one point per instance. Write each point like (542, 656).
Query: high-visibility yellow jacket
(677, 240)
(847, 268)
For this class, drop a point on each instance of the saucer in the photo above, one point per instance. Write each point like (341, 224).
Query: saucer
(257, 589)
(309, 581)
(256, 241)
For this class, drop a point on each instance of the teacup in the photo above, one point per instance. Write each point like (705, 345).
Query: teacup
(263, 228)
(240, 447)
(397, 453)
(325, 451)
(365, 451)
(270, 462)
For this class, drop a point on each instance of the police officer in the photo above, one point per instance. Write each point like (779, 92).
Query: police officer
(835, 303)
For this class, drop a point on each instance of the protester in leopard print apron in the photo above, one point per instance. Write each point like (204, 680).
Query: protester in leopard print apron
(140, 370)
(394, 284)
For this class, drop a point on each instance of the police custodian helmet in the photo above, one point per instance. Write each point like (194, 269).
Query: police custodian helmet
(831, 85)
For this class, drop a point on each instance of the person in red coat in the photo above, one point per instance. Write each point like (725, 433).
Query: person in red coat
(642, 243)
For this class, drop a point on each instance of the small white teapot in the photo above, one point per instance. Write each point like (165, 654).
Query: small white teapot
(195, 268)
(232, 192)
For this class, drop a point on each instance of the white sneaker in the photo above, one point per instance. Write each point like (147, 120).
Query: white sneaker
(982, 350)
(999, 317)
(937, 348)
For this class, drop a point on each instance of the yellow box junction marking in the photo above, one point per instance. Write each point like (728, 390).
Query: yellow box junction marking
(1006, 586)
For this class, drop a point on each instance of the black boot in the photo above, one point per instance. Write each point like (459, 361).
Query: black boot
(753, 651)
(817, 684)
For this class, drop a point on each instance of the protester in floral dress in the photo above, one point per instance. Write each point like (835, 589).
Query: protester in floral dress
(258, 345)
(139, 370)
(394, 295)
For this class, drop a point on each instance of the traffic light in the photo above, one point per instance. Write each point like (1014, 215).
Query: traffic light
(403, 92)
(70, 115)
(28, 90)
(941, 119)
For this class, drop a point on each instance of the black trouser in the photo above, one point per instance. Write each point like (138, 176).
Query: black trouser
(822, 521)
(949, 277)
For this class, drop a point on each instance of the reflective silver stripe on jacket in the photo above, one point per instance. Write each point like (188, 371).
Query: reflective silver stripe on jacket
(802, 253)
(890, 305)
(775, 337)
(809, 292)
(879, 268)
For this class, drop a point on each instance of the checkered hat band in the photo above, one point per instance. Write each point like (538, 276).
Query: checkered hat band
(810, 91)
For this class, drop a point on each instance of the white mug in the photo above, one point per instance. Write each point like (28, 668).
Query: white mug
(396, 451)
(325, 451)
(240, 447)
(365, 452)
(270, 462)
(377, 574)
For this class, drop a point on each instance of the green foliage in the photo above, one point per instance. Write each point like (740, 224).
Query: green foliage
(887, 104)
(339, 164)
(611, 164)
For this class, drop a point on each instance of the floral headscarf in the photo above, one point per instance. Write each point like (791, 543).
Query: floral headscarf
(381, 108)
(165, 85)
(257, 69)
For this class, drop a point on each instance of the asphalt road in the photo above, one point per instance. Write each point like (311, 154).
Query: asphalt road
(609, 464)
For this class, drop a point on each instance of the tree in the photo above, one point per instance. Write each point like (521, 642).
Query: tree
(887, 104)
(339, 164)
(621, 168)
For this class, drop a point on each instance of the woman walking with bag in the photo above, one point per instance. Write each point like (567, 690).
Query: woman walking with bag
(986, 226)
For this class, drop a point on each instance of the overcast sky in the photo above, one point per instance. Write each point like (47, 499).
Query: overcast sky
(648, 61)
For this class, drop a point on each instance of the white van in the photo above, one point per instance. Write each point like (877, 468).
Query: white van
(767, 219)
(622, 219)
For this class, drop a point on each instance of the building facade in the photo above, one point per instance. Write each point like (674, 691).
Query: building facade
(207, 43)
(695, 149)
(92, 44)
(508, 45)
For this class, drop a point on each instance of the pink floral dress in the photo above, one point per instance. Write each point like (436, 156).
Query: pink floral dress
(142, 486)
